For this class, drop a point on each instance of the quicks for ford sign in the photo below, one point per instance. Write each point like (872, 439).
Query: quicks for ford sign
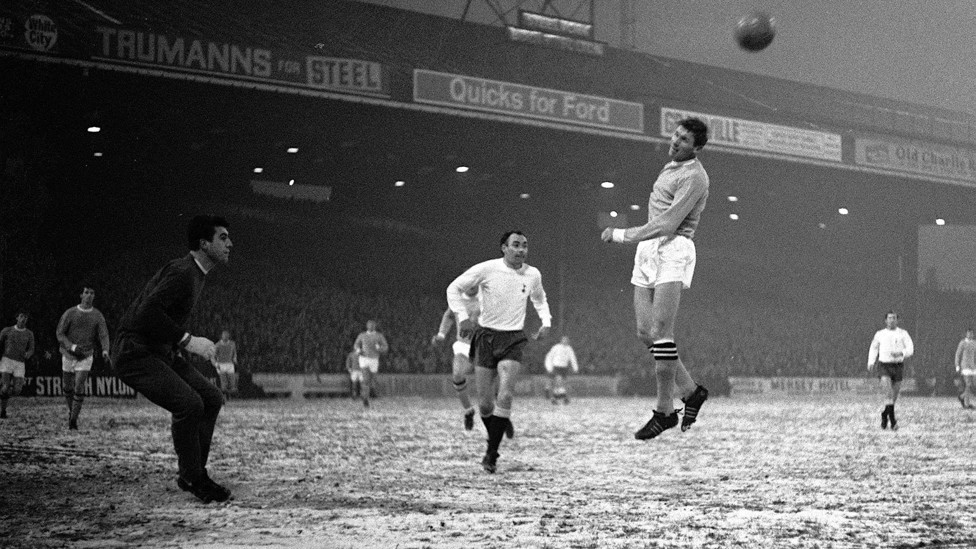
(467, 92)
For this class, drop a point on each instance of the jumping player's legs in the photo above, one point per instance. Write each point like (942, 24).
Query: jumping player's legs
(656, 310)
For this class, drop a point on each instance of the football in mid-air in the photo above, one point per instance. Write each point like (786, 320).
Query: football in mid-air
(755, 31)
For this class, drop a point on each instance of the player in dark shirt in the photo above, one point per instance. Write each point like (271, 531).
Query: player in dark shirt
(151, 346)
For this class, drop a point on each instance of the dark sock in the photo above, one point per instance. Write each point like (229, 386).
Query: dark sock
(496, 430)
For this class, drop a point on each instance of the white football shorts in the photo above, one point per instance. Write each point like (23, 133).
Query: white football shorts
(71, 364)
(663, 260)
(11, 366)
(371, 363)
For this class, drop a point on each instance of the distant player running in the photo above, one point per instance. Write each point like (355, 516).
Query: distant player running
(225, 362)
(505, 286)
(461, 366)
(17, 346)
(558, 362)
(966, 367)
(889, 349)
(663, 266)
(78, 330)
(369, 345)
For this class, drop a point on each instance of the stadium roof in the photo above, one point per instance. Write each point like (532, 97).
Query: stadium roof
(275, 41)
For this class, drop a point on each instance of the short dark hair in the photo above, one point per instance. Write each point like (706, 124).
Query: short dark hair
(890, 313)
(505, 236)
(203, 227)
(697, 128)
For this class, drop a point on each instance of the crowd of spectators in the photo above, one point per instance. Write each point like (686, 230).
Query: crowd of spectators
(303, 317)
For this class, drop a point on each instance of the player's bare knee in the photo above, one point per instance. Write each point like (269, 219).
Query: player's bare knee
(486, 408)
(460, 383)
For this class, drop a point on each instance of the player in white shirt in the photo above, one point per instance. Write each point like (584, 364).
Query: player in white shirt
(497, 341)
(889, 349)
(559, 360)
(664, 265)
(461, 366)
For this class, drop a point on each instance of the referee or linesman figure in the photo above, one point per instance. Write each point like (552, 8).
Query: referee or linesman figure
(151, 346)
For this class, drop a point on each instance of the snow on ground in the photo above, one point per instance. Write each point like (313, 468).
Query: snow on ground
(781, 472)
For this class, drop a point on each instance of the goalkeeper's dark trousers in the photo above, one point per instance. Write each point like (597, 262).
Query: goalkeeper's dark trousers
(172, 383)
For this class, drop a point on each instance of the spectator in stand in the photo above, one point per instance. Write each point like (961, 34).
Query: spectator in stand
(17, 344)
(78, 330)
(559, 360)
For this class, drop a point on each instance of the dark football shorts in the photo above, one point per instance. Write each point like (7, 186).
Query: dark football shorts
(894, 370)
(560, 371)
(489, 347)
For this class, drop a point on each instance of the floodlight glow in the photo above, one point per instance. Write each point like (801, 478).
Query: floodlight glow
(843, 211)
(613, 214)
(634, 207)
(940, 221)
(461, 169)
(399, 183)
(98, 154)
(291, 182)
(733, 198)
(524, 195)
(734, 217)
(292, 150)
(258, 170)
(94, 129)
(607, 184)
